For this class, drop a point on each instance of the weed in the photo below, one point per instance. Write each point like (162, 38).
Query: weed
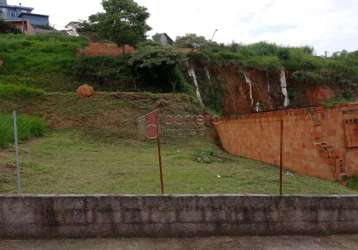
(27, 127)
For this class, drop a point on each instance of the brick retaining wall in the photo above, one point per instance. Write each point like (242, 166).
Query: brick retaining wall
(175, 216)
(320, 142)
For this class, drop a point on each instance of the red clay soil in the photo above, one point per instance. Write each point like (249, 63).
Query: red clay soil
(237, 91)
(85, 91)
(318, 94)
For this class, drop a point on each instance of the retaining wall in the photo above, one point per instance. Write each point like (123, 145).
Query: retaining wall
(105, 49)
(320, 142)
(175, 216)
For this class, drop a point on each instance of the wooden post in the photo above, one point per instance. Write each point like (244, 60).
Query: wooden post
(281, 157)
(160, 161)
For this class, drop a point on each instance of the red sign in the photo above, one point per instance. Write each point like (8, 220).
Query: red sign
(152, 123)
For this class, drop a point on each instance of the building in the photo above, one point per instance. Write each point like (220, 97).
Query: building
(23, 25)
(163, 39)
(35, 19)
(71, 29)
(16, 13)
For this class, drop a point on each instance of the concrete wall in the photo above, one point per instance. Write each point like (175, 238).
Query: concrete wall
(319, 142)
(175, 216)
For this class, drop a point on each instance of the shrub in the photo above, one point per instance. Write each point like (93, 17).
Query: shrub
(107, 73)
(158, 68)
(10, 91)
(28, 127)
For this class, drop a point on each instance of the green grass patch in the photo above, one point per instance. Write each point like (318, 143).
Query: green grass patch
(72, 161)
(39, 57)
(353, 183)
(9, 91)
(28, 127)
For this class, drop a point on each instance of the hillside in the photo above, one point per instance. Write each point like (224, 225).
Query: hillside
(44, 61)
(230, 79)
(107, 114)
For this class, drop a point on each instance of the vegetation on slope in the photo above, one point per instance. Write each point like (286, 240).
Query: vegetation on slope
(41, 61)
(28, 127)
(8, 91)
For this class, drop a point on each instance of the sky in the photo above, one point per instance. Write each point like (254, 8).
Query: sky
(327, 25)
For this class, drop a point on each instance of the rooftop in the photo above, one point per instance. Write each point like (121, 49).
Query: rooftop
(15, 7)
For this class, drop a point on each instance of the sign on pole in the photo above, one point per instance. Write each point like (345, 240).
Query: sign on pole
(152, 132)
(16, 141)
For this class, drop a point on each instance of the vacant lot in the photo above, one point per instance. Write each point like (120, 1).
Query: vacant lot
(71, 161)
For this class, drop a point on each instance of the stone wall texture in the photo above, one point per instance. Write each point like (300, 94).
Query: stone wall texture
(319, 142)
(23, 217)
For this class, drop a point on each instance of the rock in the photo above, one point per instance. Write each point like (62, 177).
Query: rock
(85, 91)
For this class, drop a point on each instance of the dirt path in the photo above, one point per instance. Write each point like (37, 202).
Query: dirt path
(218, 243)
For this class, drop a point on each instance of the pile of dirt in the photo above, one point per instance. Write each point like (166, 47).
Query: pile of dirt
(85, 91)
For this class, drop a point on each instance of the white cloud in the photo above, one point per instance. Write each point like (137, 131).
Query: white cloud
(328, 25)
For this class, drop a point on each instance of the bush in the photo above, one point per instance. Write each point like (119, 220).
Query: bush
(106, 73)
(8, 91)
(158, 68)
(28, 127)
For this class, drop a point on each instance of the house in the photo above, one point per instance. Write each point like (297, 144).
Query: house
(23, 25)
(71, 29)
(11, 13)
(163, 39)
(35, 19)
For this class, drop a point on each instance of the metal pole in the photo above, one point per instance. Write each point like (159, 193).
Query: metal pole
(281, 158)
(18, 173)
(160, 162)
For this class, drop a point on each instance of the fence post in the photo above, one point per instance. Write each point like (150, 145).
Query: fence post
(281, 157)
(18, 173)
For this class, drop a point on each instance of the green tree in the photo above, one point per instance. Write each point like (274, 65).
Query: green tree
(191, 41)
(123, 22)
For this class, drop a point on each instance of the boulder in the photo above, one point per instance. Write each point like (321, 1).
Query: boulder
(85, 91)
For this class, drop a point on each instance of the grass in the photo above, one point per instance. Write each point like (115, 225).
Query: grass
(41, 60)
(8, 91)
(353, 183)
(71, 161)
(28, 127)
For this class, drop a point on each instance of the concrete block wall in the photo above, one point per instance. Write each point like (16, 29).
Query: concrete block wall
(42, 216)
(314, 139)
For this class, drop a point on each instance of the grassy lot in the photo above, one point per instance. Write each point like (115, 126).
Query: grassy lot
(70, 161)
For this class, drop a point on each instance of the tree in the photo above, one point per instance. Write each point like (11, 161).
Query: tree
(191, 41)
(123, 22)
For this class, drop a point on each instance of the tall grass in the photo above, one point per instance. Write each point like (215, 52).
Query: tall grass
(9, 91)
(27, 127)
